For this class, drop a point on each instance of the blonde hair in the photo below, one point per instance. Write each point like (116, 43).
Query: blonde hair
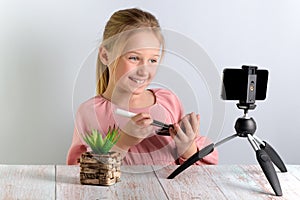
(120, 22)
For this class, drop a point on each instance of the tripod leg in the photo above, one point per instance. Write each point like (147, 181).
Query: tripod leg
(267, 167)
(226, 139)
(199, 155)
(194, 158)
(272, 153)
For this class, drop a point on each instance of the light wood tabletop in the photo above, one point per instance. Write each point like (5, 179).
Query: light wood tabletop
(147, 182)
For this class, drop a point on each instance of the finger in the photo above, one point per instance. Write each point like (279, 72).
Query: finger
(198, 124)
(144, 122)
(141, 116)
(178, 134)
(189, 132)
(194, 122)
(172, 131)
(198, 118)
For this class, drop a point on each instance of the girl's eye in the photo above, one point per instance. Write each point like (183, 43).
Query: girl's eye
(153, 61)
(133, 58)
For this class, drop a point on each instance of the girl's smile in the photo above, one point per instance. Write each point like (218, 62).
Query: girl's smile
(137, 80)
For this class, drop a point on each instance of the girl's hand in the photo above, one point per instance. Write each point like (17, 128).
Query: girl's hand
(138, 128)
(184, 135)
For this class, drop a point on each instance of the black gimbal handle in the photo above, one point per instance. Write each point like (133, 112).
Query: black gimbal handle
(274, 156)
(194, 158)
(268, 169)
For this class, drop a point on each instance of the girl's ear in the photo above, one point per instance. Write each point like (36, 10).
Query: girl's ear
(103, 55)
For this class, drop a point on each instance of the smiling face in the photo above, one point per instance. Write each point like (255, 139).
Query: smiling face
(137, 65)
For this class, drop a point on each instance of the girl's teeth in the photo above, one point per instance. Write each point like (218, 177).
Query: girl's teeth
(137, 81)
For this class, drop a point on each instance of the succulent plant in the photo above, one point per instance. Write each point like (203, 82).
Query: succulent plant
(100, 145)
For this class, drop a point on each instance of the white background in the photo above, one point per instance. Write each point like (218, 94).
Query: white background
(44, 44)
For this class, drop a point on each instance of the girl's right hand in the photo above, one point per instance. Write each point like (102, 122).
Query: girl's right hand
(138, 128)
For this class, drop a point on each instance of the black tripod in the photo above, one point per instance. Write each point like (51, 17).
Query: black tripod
(245, 127)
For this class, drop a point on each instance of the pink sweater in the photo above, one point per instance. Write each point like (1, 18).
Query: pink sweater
(98, 113)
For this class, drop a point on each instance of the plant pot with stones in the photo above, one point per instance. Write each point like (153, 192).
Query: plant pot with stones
(100, 167)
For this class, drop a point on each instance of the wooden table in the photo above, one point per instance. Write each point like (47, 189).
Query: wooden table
(147, 182)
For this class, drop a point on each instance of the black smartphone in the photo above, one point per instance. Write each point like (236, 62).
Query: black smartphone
(247, 84)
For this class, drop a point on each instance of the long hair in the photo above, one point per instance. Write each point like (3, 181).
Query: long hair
(120, 22)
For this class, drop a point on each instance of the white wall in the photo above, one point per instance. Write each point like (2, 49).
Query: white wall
(44, 46)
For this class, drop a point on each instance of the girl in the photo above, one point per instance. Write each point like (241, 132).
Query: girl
(128, 58)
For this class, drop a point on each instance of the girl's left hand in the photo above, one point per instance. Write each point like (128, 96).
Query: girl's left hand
(184, 135)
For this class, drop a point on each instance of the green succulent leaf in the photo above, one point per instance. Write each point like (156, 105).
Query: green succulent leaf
(99, 144)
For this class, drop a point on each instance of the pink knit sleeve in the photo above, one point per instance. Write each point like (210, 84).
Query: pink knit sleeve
(76, 149)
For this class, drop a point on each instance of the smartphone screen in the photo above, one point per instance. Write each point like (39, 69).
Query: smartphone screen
(235, 84)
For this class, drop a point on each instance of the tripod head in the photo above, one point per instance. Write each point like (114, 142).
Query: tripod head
(245, 125)
(246, 107)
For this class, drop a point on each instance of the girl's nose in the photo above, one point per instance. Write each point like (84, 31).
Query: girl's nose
(142, 70)
(143, 63)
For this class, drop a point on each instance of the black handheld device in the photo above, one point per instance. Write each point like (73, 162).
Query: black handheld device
(246, 85)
